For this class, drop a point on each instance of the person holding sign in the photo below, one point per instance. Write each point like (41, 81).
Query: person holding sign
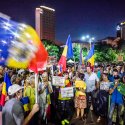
(64, 103)
(80, 96)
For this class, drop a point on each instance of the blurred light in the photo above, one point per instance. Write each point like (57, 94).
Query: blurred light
(0, 50)
(87, 36)
(93, 38)
(83, 38)
(118, 27)
(122, 23)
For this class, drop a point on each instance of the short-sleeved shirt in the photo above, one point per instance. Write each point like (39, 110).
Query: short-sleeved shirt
(13, 113)
(116, 97)
(43, 95)
(99, 74)
(111, 78)
(105, 85)
(90, 81)
(80, 84)
(30, 93)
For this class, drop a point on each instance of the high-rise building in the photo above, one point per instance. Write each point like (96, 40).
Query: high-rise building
(45, 22)
(121, 30)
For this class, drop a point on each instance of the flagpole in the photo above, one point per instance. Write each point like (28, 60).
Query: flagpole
(52, 73)
(36, 88)
(74, 64)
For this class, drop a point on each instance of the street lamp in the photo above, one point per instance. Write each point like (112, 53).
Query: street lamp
(89, 39)
(87, 36)
(83, 37)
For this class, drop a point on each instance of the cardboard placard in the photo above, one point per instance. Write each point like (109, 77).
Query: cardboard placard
(67, 92)
(58, 81)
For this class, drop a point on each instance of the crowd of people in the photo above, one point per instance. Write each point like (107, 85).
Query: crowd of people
(99, 90)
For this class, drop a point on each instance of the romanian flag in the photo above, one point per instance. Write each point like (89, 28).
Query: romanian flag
(25, 102)
(20, 46)
(40, 60)
(6, 84)
(90, 57)
(67, 53)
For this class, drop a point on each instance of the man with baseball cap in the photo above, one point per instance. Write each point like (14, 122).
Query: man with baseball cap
(13, 112)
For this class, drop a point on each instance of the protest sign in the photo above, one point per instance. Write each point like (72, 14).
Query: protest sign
(58, 81)
(67, 92)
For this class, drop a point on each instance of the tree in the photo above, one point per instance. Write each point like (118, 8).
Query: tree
(84, 52)
(52, 49)
(76, 51)
(104, 53)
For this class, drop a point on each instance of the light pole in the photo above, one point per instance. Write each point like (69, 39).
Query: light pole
(88, 39)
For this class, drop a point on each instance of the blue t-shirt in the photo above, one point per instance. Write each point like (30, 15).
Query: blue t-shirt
(116, 97)
(111, 78)
(99, 74)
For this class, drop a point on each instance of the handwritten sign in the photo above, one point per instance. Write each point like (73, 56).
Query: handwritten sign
(67, 92)
(58, 81)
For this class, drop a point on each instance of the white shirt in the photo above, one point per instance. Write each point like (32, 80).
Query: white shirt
(90, 81)
(44, 94)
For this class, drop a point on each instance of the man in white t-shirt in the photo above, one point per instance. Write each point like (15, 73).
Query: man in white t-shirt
(91, 80)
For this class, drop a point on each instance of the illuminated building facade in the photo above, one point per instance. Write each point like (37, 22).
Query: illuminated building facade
(45, 22)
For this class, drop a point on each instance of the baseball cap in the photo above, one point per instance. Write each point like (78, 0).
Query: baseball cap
(14, 88)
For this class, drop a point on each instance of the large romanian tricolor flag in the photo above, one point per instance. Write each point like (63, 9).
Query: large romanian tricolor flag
(6, 84)
(90, 57)
(20, 46)
(67, 54)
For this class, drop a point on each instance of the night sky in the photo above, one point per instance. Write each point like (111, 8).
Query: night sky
(76, 17)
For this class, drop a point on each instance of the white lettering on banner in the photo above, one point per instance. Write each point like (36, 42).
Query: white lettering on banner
(67, 92)
(58, 81)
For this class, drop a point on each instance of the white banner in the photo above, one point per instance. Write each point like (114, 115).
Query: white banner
(67, 92)
(58, 81)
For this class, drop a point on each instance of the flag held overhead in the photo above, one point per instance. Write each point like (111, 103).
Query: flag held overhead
(20, 46)
(90, 56)
(67, 53)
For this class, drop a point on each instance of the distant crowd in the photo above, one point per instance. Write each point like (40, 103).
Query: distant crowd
(99, 91)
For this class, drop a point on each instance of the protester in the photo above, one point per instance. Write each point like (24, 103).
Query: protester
(45, 89)
(111, 75)
(95, 96)
(91, 81)
(13, 112)
(102, 97)
(80, 97)
(116, 100)
(30, 91)
(64, 103)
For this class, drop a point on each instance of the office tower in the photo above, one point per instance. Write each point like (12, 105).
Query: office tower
(45, 22)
